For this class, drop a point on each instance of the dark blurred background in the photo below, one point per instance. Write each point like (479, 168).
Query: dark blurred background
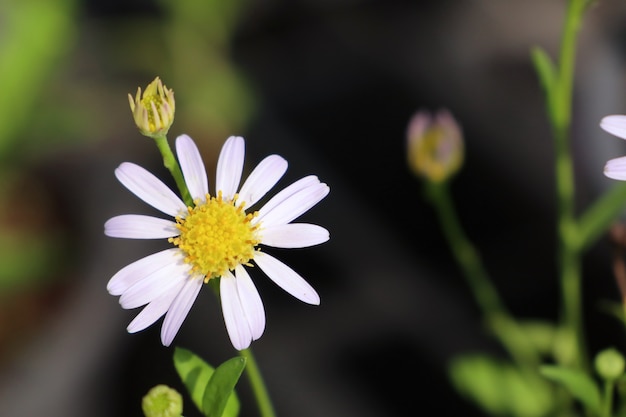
(331, 86)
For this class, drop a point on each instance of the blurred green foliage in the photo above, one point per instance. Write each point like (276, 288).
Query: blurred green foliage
(64, 76)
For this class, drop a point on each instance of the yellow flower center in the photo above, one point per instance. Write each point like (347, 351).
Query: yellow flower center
(216, 236)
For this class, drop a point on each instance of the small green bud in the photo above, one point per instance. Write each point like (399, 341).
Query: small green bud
(162, 401)
(435, 145)
(609, 364)
(153, 110)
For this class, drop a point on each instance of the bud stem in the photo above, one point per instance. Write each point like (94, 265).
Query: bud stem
(500, 322)
(169, 161)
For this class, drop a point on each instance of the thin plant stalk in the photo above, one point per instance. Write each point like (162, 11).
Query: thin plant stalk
(500, 322)
(259, 389)
(169, 161)
(569, 250)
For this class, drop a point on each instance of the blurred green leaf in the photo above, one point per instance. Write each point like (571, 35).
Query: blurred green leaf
(544, 67)
(499, 388)
(28, 259)
(35, 36)
(196, 375)
(541, 334)
(580, 385)
(614, 309)
(598, 218)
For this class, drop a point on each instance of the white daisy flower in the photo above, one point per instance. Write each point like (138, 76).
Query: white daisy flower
(615, 125)
(217, 238)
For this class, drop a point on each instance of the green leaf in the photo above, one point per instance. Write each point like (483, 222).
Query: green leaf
(549, 81)
(36, 37)
(541, 334)
(196, 374)
(221, 386)
(580, 385)
(499, 388)
(544, 67)
(614, 309)
(598, 218)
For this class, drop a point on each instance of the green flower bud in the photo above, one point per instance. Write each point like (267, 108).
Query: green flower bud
(154, 110)
(609, 364)
(435, 145)
(162, 401)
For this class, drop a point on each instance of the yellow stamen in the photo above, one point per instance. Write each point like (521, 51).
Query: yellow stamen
(216, 236)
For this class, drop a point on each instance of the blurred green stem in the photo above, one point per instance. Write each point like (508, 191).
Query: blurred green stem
(559, 97)
(258, 386)
(607, 401)
(498, 319)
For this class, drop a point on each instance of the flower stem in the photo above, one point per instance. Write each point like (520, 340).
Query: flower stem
(500, 322)
(560, 96)
(169, 161)
(258, 386)
(607, 403)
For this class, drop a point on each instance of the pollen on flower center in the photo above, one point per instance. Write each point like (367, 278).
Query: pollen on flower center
(216, 236)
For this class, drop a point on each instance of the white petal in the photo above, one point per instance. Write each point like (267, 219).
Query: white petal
(264, 176)
(154, 285)
(154, 310)
(149, 188)
(192, 167)
(616, 169)
(136, 271)
(286, 278)
(293, 206)
(230, 167)
(614, 124)
(234, 315)
(137, 226)
(294, 235)
(179, 309)
(283, 194)
(250, 302)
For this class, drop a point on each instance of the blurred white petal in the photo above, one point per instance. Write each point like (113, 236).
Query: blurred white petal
(615, 125)
(616, 169)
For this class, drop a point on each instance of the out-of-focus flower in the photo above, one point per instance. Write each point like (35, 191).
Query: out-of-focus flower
(615, 125)
(162, 401)
(216, 238)
(435, 145)
(154, 110)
